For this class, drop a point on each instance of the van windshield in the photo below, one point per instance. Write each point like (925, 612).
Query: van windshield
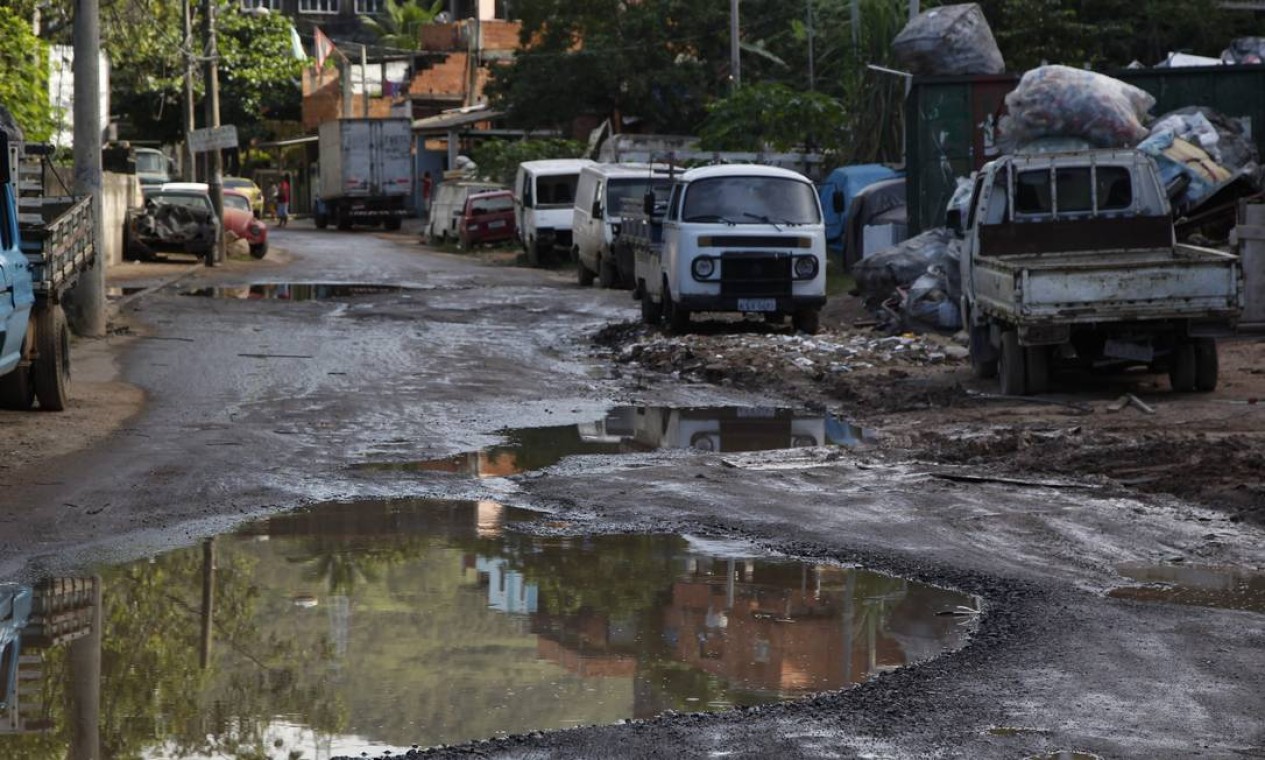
(556, 190)
(751, 200)
(150, 163)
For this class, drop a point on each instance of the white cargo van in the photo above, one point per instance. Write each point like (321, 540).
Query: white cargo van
(544, 199)
(599, 203)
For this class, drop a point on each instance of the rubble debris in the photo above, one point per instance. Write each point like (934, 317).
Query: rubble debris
(1244, 50)
(914, 285)
(952, 40)
(1060, 101)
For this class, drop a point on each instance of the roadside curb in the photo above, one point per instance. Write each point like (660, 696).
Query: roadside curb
(125, 300)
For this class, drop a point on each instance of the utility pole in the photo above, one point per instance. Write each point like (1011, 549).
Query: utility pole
(735, 60)
(189, 158)
(85, 303)
(215, 168)
(808, 23)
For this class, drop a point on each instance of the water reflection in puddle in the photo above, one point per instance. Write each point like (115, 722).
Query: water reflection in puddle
(630, 429)
(375, 626)
(293, 291)
(1233, 588)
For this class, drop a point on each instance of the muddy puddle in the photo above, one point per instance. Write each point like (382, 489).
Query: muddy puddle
(631, 429)
(294, 291)
(1232, 588)
(378, 626)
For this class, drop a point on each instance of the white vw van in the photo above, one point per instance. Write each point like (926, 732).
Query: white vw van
(544, 199)
(599, 203)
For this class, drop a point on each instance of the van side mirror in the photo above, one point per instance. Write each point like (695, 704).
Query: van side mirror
(647, 203)
(597, 209)
(836, 201)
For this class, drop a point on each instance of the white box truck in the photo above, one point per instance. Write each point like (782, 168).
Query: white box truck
(366, 172)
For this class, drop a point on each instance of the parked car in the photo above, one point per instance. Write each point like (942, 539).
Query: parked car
(487, 218)
(239, 219)
(250, 190)
(178, 217)
(153, 168)
(447, 207)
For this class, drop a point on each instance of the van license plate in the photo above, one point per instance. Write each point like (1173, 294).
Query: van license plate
(757, 304)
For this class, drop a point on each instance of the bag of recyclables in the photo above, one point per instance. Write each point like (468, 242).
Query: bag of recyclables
(952, 40)
(1060, 101)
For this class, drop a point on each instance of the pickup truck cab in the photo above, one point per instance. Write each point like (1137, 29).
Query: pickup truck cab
(1071, 257)
(732, 238)
(597, 220)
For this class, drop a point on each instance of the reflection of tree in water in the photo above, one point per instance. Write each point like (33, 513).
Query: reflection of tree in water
(342, 563)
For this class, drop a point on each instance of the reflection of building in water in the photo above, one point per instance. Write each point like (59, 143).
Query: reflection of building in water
(57, 612)
(508, 590)
(339, 625)
(587, 643)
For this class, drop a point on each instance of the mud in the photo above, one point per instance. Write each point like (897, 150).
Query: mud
(918, 391)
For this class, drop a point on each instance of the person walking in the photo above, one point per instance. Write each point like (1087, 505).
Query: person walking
(271, 211)
(283, 201)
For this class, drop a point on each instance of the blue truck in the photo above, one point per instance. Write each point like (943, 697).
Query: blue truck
(15, 610)
(45, 243)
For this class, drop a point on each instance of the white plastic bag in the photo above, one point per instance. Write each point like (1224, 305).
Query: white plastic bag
(1060, 101)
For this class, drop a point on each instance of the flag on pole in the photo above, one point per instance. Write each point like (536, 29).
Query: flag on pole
(324, 48)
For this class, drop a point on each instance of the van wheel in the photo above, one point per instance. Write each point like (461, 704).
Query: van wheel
(807, 321)
(606, 274)
(583, 274)
(651, 311)
(392, 223)
(1011, 366)
(51, 368)
(678, 319)
(17, 389)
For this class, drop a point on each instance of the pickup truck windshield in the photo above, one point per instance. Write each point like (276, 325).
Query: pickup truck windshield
(751, 200)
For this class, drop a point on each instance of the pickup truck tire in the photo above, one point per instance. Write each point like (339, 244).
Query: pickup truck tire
(607, 277)
(17, 390)
(651, 312)
(1037, 367)
(1206, 365)
(983, 357)
(391, 224)
(1183, 367)
(51, 368)
(1012, 366)
(807, 321)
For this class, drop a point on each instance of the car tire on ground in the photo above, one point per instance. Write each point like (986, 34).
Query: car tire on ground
(807, 321)
(651, 310)
(392, 223)
(583, 274)
(676, 317)
(1183, 367)
(259, 250)
(321, 221)
(51, 368)
(1206, 365)
(607, 277)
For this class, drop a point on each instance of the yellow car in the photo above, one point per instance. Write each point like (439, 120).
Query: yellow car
(250, 190)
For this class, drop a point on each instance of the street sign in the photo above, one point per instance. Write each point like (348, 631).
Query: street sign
(214, 138)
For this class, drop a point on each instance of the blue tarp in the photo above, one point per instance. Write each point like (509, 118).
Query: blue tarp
(849, 180)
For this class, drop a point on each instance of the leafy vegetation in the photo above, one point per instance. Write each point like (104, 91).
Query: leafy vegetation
(24, 76)
(400, 26)
(499, 159)
(776, 116)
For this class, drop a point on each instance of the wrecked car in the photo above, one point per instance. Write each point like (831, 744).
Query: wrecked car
(177, 218)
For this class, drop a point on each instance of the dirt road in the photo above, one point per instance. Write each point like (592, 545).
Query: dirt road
(256, 403)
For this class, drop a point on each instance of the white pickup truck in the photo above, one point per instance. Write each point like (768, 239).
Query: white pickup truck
(1071, 258)
(731, 238)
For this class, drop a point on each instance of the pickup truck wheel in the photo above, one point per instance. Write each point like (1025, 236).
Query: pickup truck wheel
(391, 224)
(51, 368)
(321, 221)
(17, 390)
(606, 274)
(1011, 369)
(983, 357)
(807, 321)
(651, 312)
(1183, 367)
(1037, 361)
(1206, 365)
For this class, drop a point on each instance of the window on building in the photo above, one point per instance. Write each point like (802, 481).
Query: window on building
(319, 6)
(250, 5)
(370, 7)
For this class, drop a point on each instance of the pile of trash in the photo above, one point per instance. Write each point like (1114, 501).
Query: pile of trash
(914, 286)
(951, 40)
(1244, 50)
(1199, 152)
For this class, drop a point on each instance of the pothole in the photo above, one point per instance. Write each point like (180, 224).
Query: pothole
(294, 291)
(378, 626)
(1233, 588)
(631, 429)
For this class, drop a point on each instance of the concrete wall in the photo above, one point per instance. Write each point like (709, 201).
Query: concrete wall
(119, 192)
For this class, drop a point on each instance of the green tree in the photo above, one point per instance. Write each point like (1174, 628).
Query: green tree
(24, 76)
(499, 159)
(401, 26)
(773, 115)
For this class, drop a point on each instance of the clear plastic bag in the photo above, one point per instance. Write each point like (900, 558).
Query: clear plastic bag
(1060, 101)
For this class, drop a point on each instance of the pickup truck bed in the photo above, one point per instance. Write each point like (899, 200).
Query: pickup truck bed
(56, 237)
(1178, 282)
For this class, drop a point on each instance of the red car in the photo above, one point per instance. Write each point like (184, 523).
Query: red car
(488, 217)
(240, 220)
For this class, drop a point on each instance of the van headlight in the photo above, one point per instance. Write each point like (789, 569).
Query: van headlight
(805, 267)
(703, 267)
